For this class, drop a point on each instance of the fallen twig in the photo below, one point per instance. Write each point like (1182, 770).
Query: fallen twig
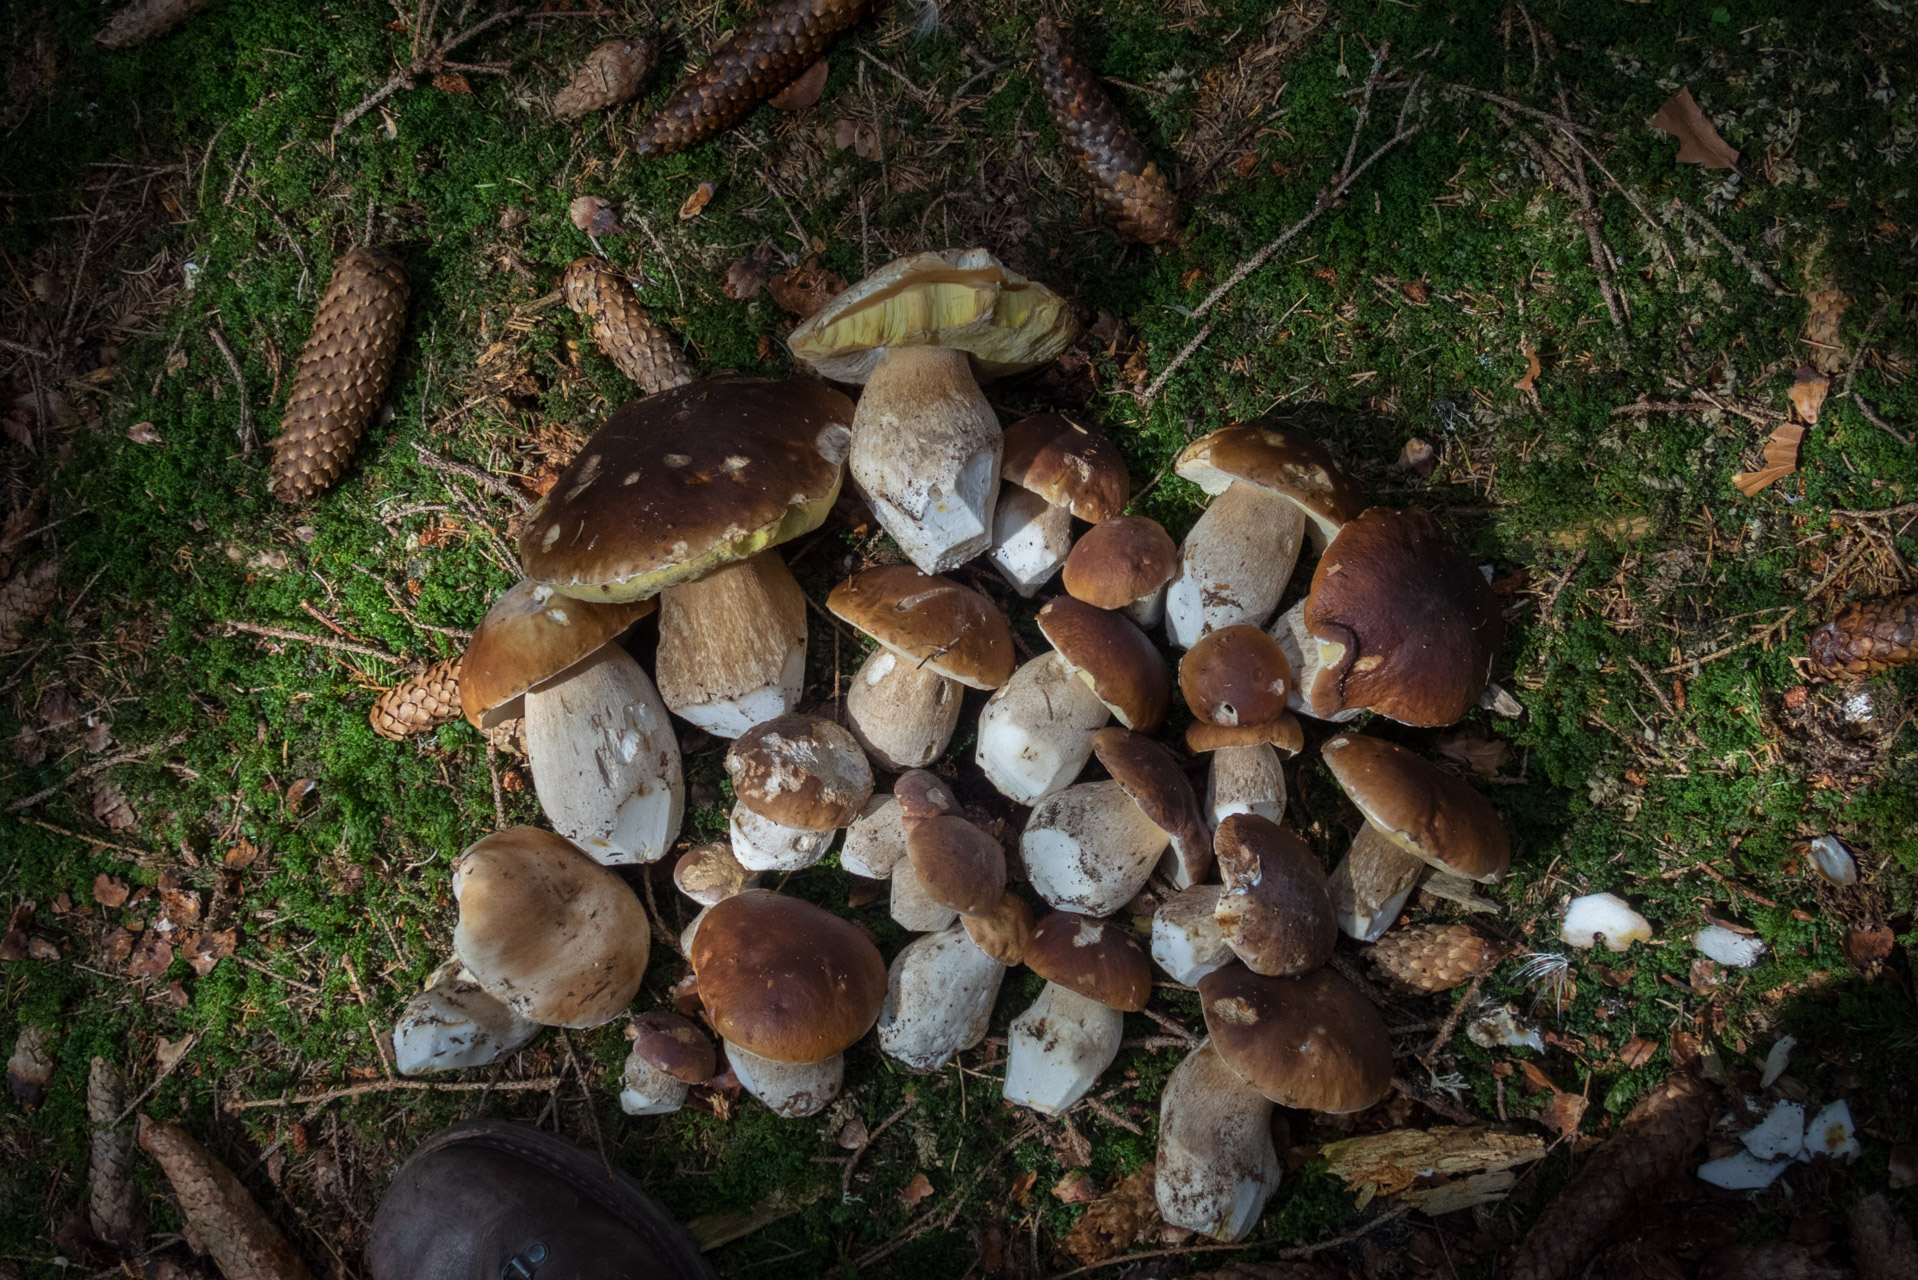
(1871, 416)
(144, 855)
(323, 642)
(430, 60)
(1452, 1019)
(1434, 1101)
(1522, 109)
(98, 766)
(932, 1219)
(483, 479)
(1283, 1255)
(1739, 256)
(1573, 183)
(852, 1161)
(540, 1085)
(247, 437)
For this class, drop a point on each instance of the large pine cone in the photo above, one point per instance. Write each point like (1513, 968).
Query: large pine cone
(1868, 636)
(144, 19)
(419, 703)
(1128, 184)
(610, 75)
(342, 374)
(24, 599)
(643, 351)
(1434, 957)
(762, 57)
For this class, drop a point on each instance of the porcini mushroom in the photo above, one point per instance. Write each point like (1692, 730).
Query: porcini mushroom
(732, 645)
(669, 1054)
(1060, 1046)
(1275, 913)
(1002, 932)
(1272, 488)
(1055, 470)
(1123, 563)
(1035, 733)
(1235, 682)
(453, 1023)
(531, 634)
(789, 987)
(960, 866)
(918, 333)
(1187, 941)
(1309, 1041)
(1217, 1165)
(709, 874)
(549, 932)
(934, 636)
(939, 998)
(1302, 652)
(1113, 657)
(796, 780)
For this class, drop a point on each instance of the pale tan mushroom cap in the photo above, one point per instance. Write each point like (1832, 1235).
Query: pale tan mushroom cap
(1310, 1041)
(1286, 734)
(1067, 465)
(1419, 807)
(800, 771)
(927, 619)
(1281, 462)
(1002, 932)
(531, 634)
(1276, 912)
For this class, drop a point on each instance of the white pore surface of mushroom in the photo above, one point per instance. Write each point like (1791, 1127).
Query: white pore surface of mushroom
(732, 645)
(925, 453)
(1606, 916)
(1244, 780)
(686, 934)
(1234, 564)
(902, 712)
(1030, 539)
(1371, 884)
(1733, 950)
(791, 1089)
(1058, 1048)
(1832, 860)
(1186, 939)
(912, 907)
(1216, 1165)
(1035, 733)
(939, 997)
(876, 841)
(761, 844)
(605, 759)
(1090, 849)
(645, 1090)
(454, 1024)
(1742, 1171)
(1780, 1134)
(1301, 649)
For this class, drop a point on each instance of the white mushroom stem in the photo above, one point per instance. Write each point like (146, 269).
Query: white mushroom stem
(645, 1090)
(939, 998)
(1148, 611)
(1090, 849)
(791, 1089)
(1059, 1048)
(1030, 538)
(1234, 564)
(732, 645)
(605, 760)
(1216, 1166)
(761, 844)
(925, 453)
(902, 712)
(1371, 884)
(1187, 941)
(1035, 733)
(1301, 649)
(876, 840)
(912, 906)
(454, 1024)
(1245, 780)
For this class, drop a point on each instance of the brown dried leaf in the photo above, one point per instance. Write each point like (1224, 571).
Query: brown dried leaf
(696, 202)
(1076, 1187)
(1698, 141)
(593, 216)
(1532, 367)
(110, 807)
(453, 84)
(746, 277)
(1562, 1113)
(1824, 328)
(803, 92)
(1419, 458)
(1808, 390)
(512, 216)
(14, 945)
(918, 1189)
(116, 948)
(805, 289)
(143, 433)
(204, 950)
(218, 1210)
(1481, 755)
(1637, 1052)
(1129, 1212)
(1868, 948)
(1781, 460)
(41, 949)
(242, 854)
(152, 955)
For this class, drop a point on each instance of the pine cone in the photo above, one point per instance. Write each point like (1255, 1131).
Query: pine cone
(610, 75)
(508, 736)
(24, 599)
(1128, 184)
(418, 703)
(643, 351)
(762, 57)
(217, 1208)
(115, 1207)
(144, 19)
(1434, 957)
(1881, 1242)
(342, 374)
(1649, 1146)
(1867, 636)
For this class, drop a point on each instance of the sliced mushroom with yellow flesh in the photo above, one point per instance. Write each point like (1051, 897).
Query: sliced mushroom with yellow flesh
(668, 1056)
(726, 677)
(1310, 1041)
(1054, 470)
(1217, 1165)
(939, 998)
(454, 1024)
(531, 634)
(1124, 563)
(1276, 913)
(796, 780)
(1302, 652)
(1060, 1046)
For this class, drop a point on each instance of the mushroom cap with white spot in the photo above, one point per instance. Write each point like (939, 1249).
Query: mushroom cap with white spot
(531, 634)
(1099, 959)
(800, 771)
(1309, 1041)
(930, 620)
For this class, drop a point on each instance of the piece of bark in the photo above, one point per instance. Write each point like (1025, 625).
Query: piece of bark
(1882, 1247)
(218, 1210)
(113, 1203)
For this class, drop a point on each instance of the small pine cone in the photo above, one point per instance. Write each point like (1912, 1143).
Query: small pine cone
(142, 20)
(24, 599)
(763, 56)
(1867, 636)
(1649, 1147)
(1434, 957)
(643, 351)
(610, 75)
(508, 736)
(419, 702)
(342, 374)
(1128, 184)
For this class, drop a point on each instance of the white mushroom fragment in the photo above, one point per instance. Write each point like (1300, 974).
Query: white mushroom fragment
(876, 840)
(453, 1024)
(1217, 1165)
(1030, 539)
(1833, 861)
(1603, 917)
(1733, 950)
(912, 905)
(939, 997)
(1371, 885)
(1302, 651)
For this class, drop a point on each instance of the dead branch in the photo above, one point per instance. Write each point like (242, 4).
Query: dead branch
(1739, 256)
(1522, 109)
(485, 480)
(247, 437)
(430, 59)
(98, 766)
(852, 1161)
(540, 1085)
(165, 1071)
(143, 856)
(1283, 1255)
(1871, 416)
(1572, 183)
(1434, 1101)
(323, 642)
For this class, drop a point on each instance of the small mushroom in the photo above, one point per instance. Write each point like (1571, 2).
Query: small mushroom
(732, 645)
(1235, 682)
(1372, 884)
(1054, 470)
(1061, 1045)
(1002, 932)
(1092, 847)
(1217, 1165)
(1124, 563)
(796, 780)
(669, 1054)
(453, 1024)
(912, 905)
(1114, 658)
(1273, 488)
(552, 934)
(1187, 941)
(876, 841)
(531, 634)
(709, 874)
(1310, 1041)
(1275, 913)
(960, 866)
(939, 998)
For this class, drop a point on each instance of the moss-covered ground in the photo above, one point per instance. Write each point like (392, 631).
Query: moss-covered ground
(1670, 747)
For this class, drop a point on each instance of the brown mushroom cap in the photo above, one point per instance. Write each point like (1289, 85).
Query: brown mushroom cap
(785, 980)
(1419, 807)
(1002, 932)
(1066, 465)
(673, 1044)
(1235, 676)
(1310, 1041)
(800, 771)
(1276, 911)
(1119, 561)
(1417, 623)
(931, 620)
(1285, 733)
(709, 873)
(959, 866)
(1280, 462)
(684, 481)
(532, 634)
(1096, 958)
(1154, 782)
(1113, 657)
(547, 930)
(922, 794)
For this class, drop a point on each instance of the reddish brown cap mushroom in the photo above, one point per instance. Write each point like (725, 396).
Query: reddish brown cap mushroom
(1419, 807)
(672, 1043)
(800, 771)
(1002, 932)
(1309, 1041)
(1066, 465)
(1276, 911)
(532, 634)
(1235, 676)
(1096, 958)
(1278, 461)
(959, 866)
(1113, 657)
(931, 620)
(1153, 781)
(1285, 733)
(1119, 561)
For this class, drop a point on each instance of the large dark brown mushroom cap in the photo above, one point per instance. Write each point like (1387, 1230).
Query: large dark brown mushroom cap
(1235, 676)
(1122, 666)
(1066, 465)
(931, 620)
(1421, 808)
(684, 481)
(785, 980)
(532, 633)
(1154, 782)
(1120, 561)
(1096, 958)
(1418, 624)
(670, 1042)
(1279, 461)
(800, 771)
(1276, 911)
(1310, 1041)
(961, 867)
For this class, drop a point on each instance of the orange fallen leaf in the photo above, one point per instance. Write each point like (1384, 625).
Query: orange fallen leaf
(918, 1189)
(1808, 389)
(1536, 1081)
(1532, 367)
(803, 92)
(1781, 460)
(109, 892)
(1637, 1052)
(1562, 1114)
(805, 289)
(1698, 141)
(696, 202)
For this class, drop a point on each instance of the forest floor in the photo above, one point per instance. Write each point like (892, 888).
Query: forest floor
(186, 714)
